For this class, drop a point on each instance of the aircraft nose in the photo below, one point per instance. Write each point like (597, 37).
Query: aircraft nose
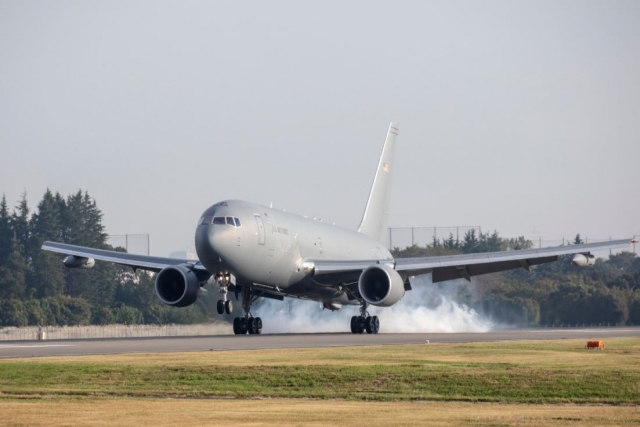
(205, 243)
(210, 243)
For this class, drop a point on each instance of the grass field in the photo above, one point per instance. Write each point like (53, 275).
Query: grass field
(301, 412)
(512, 372)
(508, 383)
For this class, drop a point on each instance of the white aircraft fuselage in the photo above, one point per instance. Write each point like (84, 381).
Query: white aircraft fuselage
(269, 248)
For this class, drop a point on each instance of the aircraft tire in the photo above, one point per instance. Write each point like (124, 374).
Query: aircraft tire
(253, 326)
(228, 307)
(259, 325)
(361, 324)
(367, 325)
(236, 326)
(354, 324)
(244, 325)
(220, 306)
(375, 325)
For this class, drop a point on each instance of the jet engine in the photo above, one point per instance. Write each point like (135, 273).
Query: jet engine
(381, 285)
(177, 286)
(72, 261)
(583, 260)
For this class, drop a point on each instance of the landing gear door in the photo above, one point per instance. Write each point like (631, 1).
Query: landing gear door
(261, 233)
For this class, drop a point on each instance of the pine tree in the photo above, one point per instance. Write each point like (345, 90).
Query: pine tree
(6, 234)
(470, 243)
(94, 230)
(46, 277)
(519, 243)
(20, 226)
(451, 242)
(61, 204)
(45, 223)
(82, 225)
(73, 221)
(12, 273)
(490, 242)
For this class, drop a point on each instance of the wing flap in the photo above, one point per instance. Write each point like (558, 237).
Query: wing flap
(467, 271)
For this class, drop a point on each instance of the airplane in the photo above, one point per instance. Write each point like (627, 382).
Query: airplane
(256, 252)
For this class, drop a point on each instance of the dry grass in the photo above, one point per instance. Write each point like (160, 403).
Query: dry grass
(165, 412)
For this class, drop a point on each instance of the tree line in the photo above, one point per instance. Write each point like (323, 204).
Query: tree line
(556, 293)
(36, 288)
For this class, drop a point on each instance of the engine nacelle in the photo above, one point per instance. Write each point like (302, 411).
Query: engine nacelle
(381, 285)
(177, 286)
(583, 260)
(73, 261)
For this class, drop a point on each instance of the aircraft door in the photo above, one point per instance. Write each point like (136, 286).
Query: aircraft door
(261, 232)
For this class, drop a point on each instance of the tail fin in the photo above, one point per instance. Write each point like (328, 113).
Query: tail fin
(376, 214)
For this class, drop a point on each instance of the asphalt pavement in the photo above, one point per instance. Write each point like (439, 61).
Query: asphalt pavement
(16, 349)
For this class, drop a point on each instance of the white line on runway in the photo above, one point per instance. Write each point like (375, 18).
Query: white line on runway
(600, 331)
(34, 346)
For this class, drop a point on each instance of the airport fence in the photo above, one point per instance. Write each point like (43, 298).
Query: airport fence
(133, 243)
(111, 331)
(400, 237)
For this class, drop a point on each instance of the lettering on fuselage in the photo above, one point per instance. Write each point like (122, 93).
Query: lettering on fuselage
(280, 230)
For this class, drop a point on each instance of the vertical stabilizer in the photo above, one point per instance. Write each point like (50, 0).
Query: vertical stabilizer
(376, 214)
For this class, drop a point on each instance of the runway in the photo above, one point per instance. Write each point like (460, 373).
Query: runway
(17, 349)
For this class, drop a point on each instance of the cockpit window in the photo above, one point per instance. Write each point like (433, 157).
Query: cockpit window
(221, 220)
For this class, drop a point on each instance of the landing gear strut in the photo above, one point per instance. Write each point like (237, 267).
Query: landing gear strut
(224, 280)
(248, 323)
(364, 322)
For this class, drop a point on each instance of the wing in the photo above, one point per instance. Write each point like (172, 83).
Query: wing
(457, 266)
(143, 262)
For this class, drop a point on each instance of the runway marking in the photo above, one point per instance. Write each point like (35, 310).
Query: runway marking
(605, 331)
(34, 346)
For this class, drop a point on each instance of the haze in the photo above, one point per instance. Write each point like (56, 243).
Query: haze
(515, 116)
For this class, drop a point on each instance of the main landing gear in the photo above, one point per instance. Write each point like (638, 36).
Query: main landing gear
(248, 323)
(364, 322)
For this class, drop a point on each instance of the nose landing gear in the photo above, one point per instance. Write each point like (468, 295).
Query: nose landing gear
(224, 306)
(224, 280)
(364, 322)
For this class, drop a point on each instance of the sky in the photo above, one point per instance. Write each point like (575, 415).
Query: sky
(522, 117)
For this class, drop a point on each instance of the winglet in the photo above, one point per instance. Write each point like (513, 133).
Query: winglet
(376, 214)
